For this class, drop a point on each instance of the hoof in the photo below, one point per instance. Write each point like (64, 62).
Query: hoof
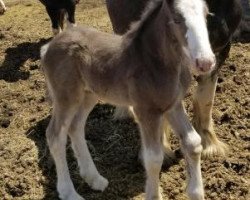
(212, 146)
(69, 193)
(100, 184)
(214, 149)
(196, 195)
(97, 182)
(154, 197)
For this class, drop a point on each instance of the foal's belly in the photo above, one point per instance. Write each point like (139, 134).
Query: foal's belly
(109, 92)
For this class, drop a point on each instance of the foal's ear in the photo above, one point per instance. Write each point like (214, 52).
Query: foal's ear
(170, 2)
(206, 10)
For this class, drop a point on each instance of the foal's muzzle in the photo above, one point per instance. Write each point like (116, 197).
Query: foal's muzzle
(205, 64)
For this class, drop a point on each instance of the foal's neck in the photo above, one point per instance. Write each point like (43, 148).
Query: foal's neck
(157, 40)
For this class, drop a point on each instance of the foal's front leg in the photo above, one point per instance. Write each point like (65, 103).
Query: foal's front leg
(151, 126)
(122, 112)
(191, 148)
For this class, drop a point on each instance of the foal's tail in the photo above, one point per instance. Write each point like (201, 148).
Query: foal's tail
(43, 52)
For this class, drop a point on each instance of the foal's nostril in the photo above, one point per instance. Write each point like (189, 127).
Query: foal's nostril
(205, 65)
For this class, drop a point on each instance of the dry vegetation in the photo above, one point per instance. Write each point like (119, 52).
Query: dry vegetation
(26, 169)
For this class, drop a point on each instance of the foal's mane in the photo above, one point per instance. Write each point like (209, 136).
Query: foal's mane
(137, 26)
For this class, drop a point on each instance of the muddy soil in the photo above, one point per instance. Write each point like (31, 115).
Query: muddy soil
(26, 169)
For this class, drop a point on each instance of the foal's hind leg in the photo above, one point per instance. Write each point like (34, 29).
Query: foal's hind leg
(87, 167)
(191, 148)
(151, 126)
(57, 137)
(169, 155)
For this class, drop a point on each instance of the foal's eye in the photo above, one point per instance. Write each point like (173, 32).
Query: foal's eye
(178, 19)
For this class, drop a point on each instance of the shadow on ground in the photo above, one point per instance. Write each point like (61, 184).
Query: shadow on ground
(114, 146)
(13, 68)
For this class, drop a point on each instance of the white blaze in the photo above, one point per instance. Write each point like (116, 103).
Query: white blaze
(193, 11)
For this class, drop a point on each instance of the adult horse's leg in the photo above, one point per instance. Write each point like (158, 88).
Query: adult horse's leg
(87, 167)
(61, 19)
(71, 14)
(203, 104)
(191, 148)
(54, 15)
(151, 126)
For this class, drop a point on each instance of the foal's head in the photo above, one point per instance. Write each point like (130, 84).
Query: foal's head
(194, 13)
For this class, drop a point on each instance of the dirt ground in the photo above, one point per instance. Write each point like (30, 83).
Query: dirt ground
(26, 169)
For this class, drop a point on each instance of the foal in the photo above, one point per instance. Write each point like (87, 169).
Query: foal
(145, 69)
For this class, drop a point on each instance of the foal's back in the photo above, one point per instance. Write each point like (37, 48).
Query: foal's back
(88, 59)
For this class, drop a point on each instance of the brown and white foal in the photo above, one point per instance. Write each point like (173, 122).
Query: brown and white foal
(146, 69)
